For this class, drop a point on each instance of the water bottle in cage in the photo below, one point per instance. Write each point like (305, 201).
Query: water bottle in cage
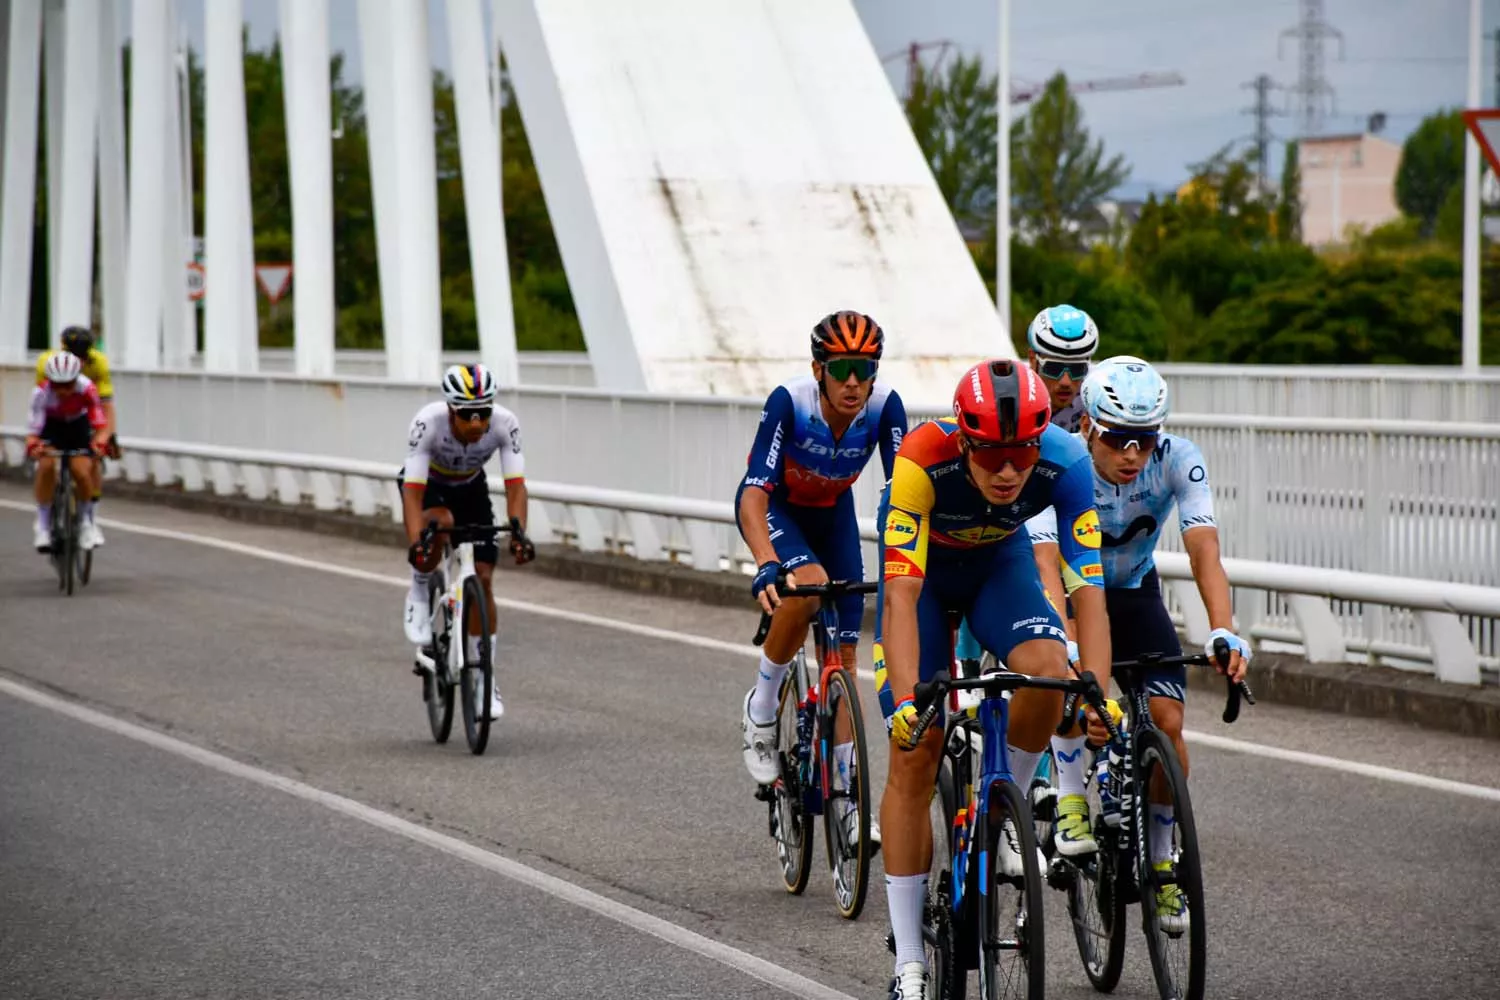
(812, 792)
(1124, 782)
(1111, 773)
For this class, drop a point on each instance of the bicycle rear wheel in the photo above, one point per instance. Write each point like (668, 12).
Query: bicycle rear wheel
(1096, 908)
(436, 690)
(846, 811)
(67, 567)
(1179, 972)
(791, 823)
(1012, 945)
(477, 677)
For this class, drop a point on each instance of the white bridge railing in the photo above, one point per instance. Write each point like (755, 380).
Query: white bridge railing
(1456, 622)
(1355, 392)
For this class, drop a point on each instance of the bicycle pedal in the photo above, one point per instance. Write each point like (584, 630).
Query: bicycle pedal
(765, 793)
(890, 941)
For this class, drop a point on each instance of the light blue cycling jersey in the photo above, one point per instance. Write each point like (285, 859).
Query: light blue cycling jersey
(1131, 515)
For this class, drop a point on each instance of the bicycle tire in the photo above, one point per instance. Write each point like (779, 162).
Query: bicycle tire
(848, 898)
(85, 566)
(948, 976)
(793, 823)
(439, 693)
(1103, 872)
(476, 680)
(1006, 799)
(70, 542)
(1154, 750)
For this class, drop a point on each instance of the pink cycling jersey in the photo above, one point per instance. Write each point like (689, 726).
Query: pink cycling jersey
(83, 401)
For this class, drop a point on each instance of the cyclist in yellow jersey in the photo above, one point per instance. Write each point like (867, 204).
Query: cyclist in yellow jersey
(79, 342)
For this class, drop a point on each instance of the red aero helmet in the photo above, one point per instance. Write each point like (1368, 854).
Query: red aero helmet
(1002, 402)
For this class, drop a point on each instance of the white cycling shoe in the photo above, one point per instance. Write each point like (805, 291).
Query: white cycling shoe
(89, 535)
(759, 746)
(418, 622)
(41, 537)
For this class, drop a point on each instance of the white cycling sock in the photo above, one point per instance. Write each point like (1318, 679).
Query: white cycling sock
(1162, 818)
(906, 895)
(419, 585)
(44, 516)
(1023, 766)
(843, 763)
(767, 690)
(1069, 762)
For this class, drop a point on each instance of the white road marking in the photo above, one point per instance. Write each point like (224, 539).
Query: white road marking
(742, 649)
(639, 920)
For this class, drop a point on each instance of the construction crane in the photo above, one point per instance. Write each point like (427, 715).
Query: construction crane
(1024, 92)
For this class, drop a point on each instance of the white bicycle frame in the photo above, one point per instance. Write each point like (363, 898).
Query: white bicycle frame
(457, 567)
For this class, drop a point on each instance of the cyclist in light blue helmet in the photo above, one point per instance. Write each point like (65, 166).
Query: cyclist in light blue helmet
(1060, 341)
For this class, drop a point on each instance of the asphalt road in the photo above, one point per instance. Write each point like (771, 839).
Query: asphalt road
(129, 869)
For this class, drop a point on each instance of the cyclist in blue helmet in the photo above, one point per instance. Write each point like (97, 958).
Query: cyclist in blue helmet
(1060, 341)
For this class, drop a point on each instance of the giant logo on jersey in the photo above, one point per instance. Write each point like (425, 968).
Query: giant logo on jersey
(1086, 530)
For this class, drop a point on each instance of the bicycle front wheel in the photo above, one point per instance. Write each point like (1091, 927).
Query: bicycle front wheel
(1013, 959)
(68, 568)
(1171, 896)
(478, 675)
(791, 823)
(436, 689)
(847, 808)
(948, 971)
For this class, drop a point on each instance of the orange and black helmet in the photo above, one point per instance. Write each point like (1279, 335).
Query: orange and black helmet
(845, 333)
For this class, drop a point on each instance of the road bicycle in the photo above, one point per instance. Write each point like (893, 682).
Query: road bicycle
(978, 917)
(1100, 885)
(814, 709)
(459, 612)
(71, 561)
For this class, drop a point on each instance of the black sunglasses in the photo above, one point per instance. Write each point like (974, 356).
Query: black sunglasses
(474, 412)
(1055, 369)
(861, 368)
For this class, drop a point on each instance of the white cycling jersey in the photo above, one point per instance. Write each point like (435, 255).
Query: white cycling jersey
(434, 452)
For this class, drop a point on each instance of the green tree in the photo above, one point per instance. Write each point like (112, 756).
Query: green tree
(1059, 171)
(954, 120)
(1432, 163)
(1289, 204)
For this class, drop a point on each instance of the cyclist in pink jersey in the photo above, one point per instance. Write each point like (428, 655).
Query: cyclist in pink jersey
(66, 415)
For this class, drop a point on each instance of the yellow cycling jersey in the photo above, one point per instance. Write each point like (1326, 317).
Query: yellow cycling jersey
(95, 367)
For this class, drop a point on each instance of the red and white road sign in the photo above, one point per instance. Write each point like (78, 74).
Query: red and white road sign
(274, 280)
(1485, 124)
(195, 280)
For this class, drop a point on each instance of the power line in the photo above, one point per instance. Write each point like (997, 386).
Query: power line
(1312, 87)
(1262, 85)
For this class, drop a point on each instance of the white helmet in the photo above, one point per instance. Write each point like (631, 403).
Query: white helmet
(1124, 391)
(63, 367)
(468, 385)
(1063, 332)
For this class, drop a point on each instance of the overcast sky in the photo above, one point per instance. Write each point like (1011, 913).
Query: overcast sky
(1406, 58)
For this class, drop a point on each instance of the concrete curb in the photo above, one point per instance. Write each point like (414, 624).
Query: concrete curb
(1345, 688)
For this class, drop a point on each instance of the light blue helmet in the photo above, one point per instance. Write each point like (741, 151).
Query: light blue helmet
(1125, 392)
(1063, 332)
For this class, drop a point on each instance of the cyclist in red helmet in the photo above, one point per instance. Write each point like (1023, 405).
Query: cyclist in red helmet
(952, 522)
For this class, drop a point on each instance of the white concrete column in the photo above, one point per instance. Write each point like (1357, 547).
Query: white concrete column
(4, 63)
(175, 351)
(113, 238)
(184, 90)
(375, 46)
(149, 78)
(23, 61)
(416, 187)
(228, 270)
(479, 149)
(309, 126)
(1002, 180)
(54, 60)
(74, 288)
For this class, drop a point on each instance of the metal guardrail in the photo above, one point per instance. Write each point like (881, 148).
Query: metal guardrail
(654, 527)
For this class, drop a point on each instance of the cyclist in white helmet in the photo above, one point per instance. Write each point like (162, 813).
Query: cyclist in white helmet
(443, 480)
(1061, 340)
(1140, 473)
(66, 415)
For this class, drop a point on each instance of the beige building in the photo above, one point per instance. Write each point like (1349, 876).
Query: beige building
(1347, 180)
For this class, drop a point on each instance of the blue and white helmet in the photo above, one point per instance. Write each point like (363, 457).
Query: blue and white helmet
(1124, 391)
(1063, 332)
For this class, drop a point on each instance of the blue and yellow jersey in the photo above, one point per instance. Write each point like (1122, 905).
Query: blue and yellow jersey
(931, 504)
(95, 366)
